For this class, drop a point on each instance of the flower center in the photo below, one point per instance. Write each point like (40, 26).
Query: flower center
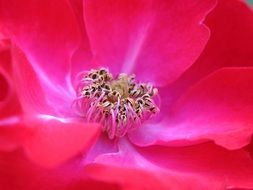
(119, 104)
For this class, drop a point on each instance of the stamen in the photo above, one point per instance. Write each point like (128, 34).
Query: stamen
(120, 104)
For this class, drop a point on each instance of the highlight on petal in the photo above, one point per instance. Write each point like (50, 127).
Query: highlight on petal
(81, 58)
(50, 141)
(192, 167)
(36, 95)
(135, 36)
(48, 33)
(218, 108)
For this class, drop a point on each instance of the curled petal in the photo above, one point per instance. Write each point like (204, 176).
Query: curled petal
(230, 44)
(50, 141)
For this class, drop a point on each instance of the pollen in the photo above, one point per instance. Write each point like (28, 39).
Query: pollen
(120, 104)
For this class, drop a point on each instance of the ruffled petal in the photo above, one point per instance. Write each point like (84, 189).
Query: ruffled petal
(204, 166)
(47, 32)
(49, 141)
(156, 40)
(218, 108)
(230, 44)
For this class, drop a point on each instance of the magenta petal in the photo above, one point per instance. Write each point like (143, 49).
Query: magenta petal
(47, 32)
(230, 43)
(9, 104)
(218, 108)
(190, 167)
(214, 165)
(130, 178)
(3, 87)
(40, 96)
(6, 86)
(157, 40)
(81, 58)
(19, 173)
(50, 141)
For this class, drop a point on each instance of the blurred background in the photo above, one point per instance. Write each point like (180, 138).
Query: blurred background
(250, 2)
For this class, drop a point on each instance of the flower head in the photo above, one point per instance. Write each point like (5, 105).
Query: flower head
(181, 122)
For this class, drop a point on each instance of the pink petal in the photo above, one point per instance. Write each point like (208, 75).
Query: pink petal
(10, 134)
(214, 164)
(4, 87)
(128, 178)
(230, 43)
(81, 58)
(103, 145)
(19, 173)
(50, 141)
(36, 96)
(10, 109)
(9, 105)
(250, 148)
(231, 25)
(218, 108)
(156, 40)
(204, 166)
(47, 32)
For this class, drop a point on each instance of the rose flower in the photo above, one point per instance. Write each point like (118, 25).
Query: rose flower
(126, 94)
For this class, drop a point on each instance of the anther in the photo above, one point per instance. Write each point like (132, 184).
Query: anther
(120, 104)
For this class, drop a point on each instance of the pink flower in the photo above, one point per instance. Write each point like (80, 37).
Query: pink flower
(199, 56)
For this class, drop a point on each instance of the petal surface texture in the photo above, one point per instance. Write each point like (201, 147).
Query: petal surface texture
(48, 36)
(135, 36)
(18, 172)
(218, 108)
(204, 166)
(227, 47)
(51, 141)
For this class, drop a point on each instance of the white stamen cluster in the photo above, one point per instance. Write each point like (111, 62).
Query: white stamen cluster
(120, 104)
